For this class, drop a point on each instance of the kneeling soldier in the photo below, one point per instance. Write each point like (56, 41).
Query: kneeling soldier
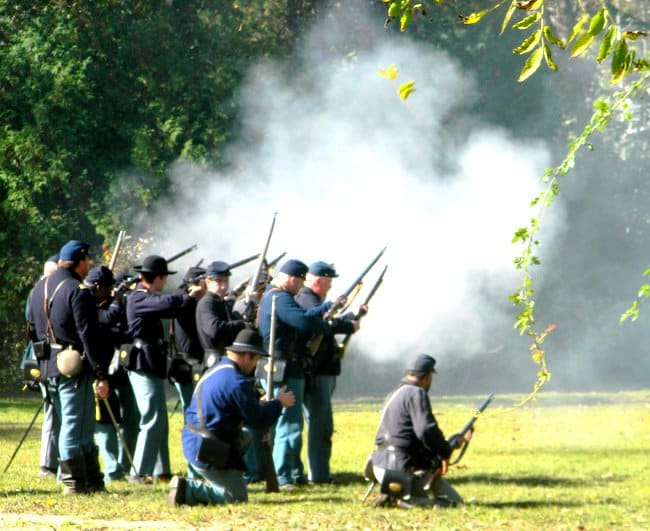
(213, 441)
(412, 454)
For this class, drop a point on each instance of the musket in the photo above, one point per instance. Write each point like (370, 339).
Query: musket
(182, 253)
(252, 286)
(270, 477)
(239, 288)
(242, 262)
(362, 312)
(454, 440)
(120, 435)
(22, 439)
(116, 250)
(339, 303)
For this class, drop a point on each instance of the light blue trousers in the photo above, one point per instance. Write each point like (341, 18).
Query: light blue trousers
(151, 454)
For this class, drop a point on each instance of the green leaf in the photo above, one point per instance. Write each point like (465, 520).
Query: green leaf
(582, 44)
(607, 44)
(597, 22)
(507, 17)
(394, 9)
(531, 65)
(552, 38)
(405, 19)
(529, 42)
(548, 57)
(528, 21)
(619, 61)
(577, 28)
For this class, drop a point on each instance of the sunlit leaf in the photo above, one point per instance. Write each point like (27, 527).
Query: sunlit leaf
(389, 73)
(552, 38)
(507, 17)
(577, 28)
(607, 44)
(618, 60)
(634, 35)
(582, 44)
(394, 9)
(531, 65)
(597, 22)
(548, 57)
(529, 5)
(473, 18)
(405, 19)
(406, 89)
(528, 21)
(528, 43)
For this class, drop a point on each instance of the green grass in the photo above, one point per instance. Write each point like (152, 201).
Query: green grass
(568, 461)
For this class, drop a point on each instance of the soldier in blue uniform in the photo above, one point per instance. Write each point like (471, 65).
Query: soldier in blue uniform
(147, 364)
(293, 325)
(410, 447)
(121, 400)
(321, 373)
(224, 400)
(63, 315)
(186, 346)
(216, 321)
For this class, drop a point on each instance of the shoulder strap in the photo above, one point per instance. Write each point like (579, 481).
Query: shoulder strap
(47, 306)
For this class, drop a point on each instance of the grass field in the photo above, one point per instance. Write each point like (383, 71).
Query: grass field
(568, 461)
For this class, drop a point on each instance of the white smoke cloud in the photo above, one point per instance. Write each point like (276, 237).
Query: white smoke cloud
(351, 168)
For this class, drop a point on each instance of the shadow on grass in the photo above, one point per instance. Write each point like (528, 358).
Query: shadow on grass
(348, 478)
(299, 498)
(526, 481)
(527, 504)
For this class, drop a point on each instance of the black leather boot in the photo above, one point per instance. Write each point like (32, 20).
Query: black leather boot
(94, 475)
(73, 475)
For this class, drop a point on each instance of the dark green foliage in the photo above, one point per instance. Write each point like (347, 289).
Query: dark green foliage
(91, 90)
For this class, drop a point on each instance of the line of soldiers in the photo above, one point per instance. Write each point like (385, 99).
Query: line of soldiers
(101, 348)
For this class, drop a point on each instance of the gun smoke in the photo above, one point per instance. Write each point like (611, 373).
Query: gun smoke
(351, 168)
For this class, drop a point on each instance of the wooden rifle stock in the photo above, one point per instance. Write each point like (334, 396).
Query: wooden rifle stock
(270, 477)
(315, 341)
(361, 313)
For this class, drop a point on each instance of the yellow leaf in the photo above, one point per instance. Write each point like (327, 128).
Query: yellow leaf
(389, 73)
(406, 89)
(582, 44)
(473, 18)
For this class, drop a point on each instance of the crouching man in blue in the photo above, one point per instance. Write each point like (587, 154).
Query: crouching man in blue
(213, 440)
(412, 454)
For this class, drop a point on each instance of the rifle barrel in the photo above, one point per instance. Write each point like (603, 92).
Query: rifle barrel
(244, 261)
(182, 253)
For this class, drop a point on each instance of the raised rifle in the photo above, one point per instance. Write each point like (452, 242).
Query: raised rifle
(362, 312)
(182, 253)
(454, 440)
(339, 304)
(239, 288)
(249, 311)
(270, 477)
(116, 250)
(243, 262)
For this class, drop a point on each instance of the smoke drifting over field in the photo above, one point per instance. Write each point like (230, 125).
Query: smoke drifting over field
(350, 168)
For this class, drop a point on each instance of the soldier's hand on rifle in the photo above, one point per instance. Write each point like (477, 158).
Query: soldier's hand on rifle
(286, 397)
(195, 290)
(101, 388)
